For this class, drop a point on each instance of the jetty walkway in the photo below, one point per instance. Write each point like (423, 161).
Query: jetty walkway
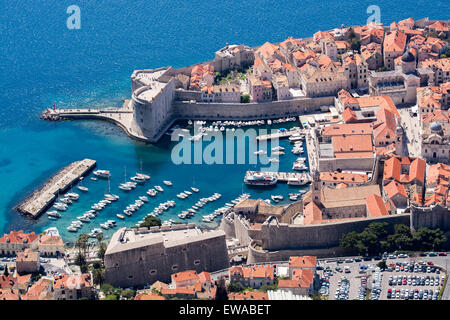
(283, 176)
(281, 134)
(41, 199)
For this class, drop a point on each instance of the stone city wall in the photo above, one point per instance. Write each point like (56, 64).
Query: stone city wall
(360, 164)
(430, 217)
(289, 236)
(247, 111)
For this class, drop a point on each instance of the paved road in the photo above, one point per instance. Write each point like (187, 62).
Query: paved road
(411, 127)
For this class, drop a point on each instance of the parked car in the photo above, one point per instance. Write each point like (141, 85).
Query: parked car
(443, 254)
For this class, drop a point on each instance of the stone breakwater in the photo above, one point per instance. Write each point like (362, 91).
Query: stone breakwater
(41, 199)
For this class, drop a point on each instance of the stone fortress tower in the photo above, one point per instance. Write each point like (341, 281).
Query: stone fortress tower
(153, 92)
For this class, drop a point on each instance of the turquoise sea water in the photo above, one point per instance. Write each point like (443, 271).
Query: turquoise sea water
(41, 62)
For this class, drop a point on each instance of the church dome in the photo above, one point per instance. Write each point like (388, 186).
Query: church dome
(436, 126)
(408, 57)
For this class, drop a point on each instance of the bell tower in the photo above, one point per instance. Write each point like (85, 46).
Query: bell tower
(316, 188)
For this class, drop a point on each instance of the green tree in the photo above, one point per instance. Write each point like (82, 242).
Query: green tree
(98, 276)
(382, 264)
(245, 98)
(428, 239)
(378, 228)
(111, 297)
(402, 237)
(107, 289)
(349, 241)
(150, 221)
(355, 45)
(128, 294)
(101, 252)
(221, 292)
(235, 287)
(351, 33)
(80, 261)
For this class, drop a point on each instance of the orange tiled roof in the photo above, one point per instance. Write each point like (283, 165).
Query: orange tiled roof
(345, 177)
(183, 276)
(149, 296)
(375, 206)
(302, 278)
(248, 295)
(19, 237)
(76, 281)
(393, 188)
(302, 262)
(352, 144)
(395, 42)
(356, 129)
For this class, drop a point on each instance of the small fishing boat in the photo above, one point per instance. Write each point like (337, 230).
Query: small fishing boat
(73, 196)
(102, 174)
(138, 179)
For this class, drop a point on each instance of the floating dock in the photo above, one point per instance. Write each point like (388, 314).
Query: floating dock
(41, 199)
(283, 176)
(279, 135)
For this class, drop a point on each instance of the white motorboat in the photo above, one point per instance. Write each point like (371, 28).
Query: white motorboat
(145, 176)
(195, 189)
(124, 188)
(54, 214)
(66, 200)
(60, 206)
(259, 152)
(299, 166)
(143, 198)
(72, 229)
(152, 192)
(73, 196)
(159, 188)
(274, 160)
(104, 226)
(278, 148)
(120, 216)
(295, 137)
(94, 179)
(105, 174)
(81, 188)
(138, 179)
(296, 182)
(188, 192)
(168, 183)
(278, 153)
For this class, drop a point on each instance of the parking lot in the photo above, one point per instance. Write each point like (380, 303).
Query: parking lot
(403, 279)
